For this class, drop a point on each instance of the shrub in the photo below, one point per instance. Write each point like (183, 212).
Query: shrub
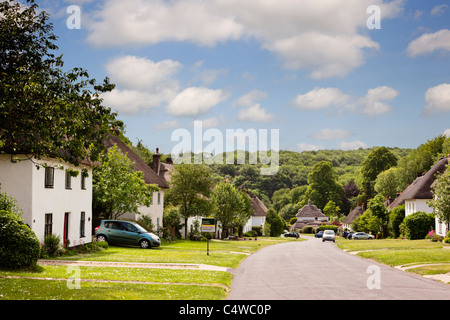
(418, 224)
(19, 246)
(396, 217)
(51, 246)
(308, 229)
(447, 238)
(329, 227)
(258, 230)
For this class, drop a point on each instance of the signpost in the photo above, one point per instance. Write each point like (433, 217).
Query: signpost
(208, 225)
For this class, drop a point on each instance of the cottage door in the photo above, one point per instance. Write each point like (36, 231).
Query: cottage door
(66, 229)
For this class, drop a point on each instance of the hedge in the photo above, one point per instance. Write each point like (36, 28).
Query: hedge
(19, 246)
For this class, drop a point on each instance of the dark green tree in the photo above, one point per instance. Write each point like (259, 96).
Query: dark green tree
(376, 162)
(45, 111)
(323, 185)
(190, 187)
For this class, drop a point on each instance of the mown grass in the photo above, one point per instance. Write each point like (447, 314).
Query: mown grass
(396, 252)
(221, 253)
(114, 283)
(26, 289)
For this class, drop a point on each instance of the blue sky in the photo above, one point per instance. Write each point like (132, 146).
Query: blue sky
(312, 69)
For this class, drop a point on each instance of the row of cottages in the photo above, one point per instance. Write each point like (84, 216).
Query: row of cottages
(258, 219)
(417, 194)
(156, 175)
(356, 212)
(55, 202)
(309, 215)
(52, 200)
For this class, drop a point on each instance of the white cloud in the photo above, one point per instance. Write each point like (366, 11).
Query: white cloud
(430, 42)
(372, 103)
(438, 10)
(309, 147)
(172, 124)
(320, 98)
(252, 111)
(353, 145)
(437, 99)
(328, 55)
(195, 101)
(140, 83)
(324, 38)
(330, 134)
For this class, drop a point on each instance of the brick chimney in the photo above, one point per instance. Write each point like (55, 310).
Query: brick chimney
(156, 161)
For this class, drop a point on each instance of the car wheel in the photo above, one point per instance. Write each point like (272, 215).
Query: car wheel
(144, 244)
(101, 237)
(355, 238)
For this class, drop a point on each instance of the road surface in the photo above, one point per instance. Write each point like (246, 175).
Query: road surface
(316, 270)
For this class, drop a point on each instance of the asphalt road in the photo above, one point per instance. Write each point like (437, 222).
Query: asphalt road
(316, 270)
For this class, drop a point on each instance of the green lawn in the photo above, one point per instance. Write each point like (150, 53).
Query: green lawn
(221, 253)
(396, 252)
(105, 283)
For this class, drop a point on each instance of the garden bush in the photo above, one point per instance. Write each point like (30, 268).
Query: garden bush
(51, 246)
(418, 224)
(329, 227)
(258, 230)
(19, 246)
(308, 229)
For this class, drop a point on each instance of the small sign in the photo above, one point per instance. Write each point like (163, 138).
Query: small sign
(208, 225)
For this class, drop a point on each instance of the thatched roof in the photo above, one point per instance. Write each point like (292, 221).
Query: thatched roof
(258, 207)
(421, 187)
(359, 210)
(150, 176)
(309, 210)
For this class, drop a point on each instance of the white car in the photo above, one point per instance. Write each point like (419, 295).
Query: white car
(328, 235)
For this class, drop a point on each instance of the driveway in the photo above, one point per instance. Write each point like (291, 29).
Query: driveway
(314, 269)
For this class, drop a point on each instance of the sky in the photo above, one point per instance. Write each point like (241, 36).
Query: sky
(342, 74)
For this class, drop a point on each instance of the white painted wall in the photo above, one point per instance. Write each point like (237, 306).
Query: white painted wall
(25, 182)
(415, 205)
(155, 210)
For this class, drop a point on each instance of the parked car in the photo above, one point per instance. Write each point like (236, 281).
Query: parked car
(291, 235)
(328, 235)
(362, 236)
(319, 234)
(126, 232)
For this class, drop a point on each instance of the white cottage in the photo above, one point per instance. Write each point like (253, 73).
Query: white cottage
(156, 210)
(52, 200)
(417, 195)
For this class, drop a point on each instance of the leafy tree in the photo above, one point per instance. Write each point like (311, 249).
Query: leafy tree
(232, 207)
(45, 111)
(379, 210)
(332, 210)
(117, 188)
(322, 185)
(171, 223)
(386, 183)
(441, 201)
(274, 223)
(376, 162)
(396, 217)
(190, 187)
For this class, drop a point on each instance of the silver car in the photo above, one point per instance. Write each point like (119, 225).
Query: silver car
(362, 236)
(328, 235)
